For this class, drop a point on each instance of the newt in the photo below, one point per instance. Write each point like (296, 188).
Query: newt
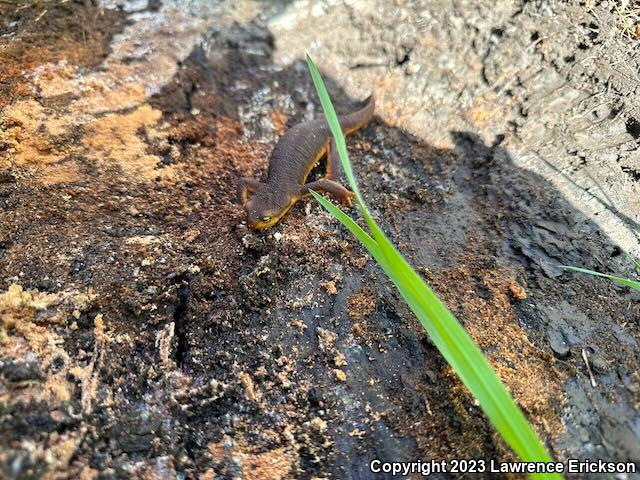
(292, 160)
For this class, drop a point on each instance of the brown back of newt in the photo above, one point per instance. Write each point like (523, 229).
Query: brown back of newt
(292, 159)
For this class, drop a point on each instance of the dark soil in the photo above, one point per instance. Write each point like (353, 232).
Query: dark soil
(147, 333)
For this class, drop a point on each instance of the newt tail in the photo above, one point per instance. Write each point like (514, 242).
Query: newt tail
(292, 159)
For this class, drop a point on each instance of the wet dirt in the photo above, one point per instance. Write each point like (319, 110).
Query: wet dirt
(147, 333)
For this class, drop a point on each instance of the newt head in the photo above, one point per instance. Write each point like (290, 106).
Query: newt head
(265, 208)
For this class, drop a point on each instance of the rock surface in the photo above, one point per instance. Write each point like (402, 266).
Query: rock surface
(145, 332)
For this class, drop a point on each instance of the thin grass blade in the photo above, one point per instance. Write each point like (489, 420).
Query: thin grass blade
(348, 222)
(635, 262)
(465, 357)
(447, 333)
(624, 281)
(336, 130)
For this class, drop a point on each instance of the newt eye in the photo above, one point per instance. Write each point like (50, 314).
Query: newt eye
(266, 218)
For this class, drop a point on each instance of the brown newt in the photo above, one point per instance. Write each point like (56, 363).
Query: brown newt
(292, 159)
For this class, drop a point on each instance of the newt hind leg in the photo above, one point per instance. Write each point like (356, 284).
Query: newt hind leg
(334, 167)
(327, 185)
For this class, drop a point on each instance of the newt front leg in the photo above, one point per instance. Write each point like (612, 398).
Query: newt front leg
(246, 185)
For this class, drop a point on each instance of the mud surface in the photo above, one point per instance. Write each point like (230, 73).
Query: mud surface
(147, 333)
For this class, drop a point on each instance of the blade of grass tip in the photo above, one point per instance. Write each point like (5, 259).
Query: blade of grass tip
(624, 281)
(366, 240)
(336, 130)
(334, 125)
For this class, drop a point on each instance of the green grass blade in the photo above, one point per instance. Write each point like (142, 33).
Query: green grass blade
(334, 125)
(624, 281)
(635, 262)
(348, 222)
(462, 354)
(446, 332)
(336, 130)
(465, 358)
